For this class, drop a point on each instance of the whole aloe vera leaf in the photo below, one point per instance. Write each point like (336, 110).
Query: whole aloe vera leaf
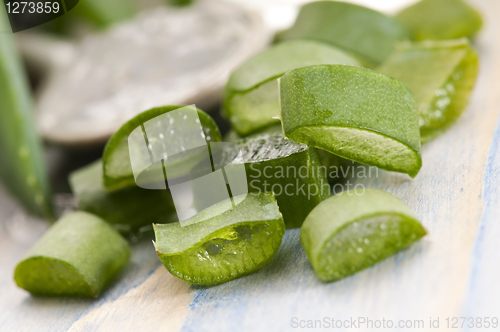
(117, 169)
(441, 19)
(251, 96)
(359, 30)
(80, 255)
(229, 245)
(352, 112)
(441, 75)
(351, 231)
(22, 170)
(128, 209)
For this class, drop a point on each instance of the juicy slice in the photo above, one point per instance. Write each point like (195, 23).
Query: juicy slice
(441, 75)
(116, 158)
(79, 256)
(227, 246)
(251, 97)
(350, 232)
(441, 19)
(354, 113)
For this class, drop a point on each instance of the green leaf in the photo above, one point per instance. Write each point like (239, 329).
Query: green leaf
(441, 75)
(79, 256)
(230, 245)
(352, 231)
(251, 96)
(364, 32)
(22, 170)
(128, 209)
(441, 19)
(352, 112)
(116, 159)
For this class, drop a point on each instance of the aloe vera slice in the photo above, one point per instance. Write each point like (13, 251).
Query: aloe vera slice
(251, 96)
(128, 209)
(441, 75)
(328, 161)
(230, 245)
(441, 19)
(362, 31)
(354, 113)
(291, 170)
(22, 170)
(79, 256)
(350, 232)
(116, 158)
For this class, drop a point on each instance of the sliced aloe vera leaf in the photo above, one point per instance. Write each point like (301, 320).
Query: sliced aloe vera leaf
(289, 169)
(229, 245)
(251, 97)
(79, 256)
(362, 31)
(349, 232)
(354, 113)
(128, 209)
(332, 165)
(116, 158)
(22, 170)
(441, 75)
(441, 19)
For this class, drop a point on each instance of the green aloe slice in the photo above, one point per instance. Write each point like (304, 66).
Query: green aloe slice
(230, 245)
(364, 32)
(441, 75)
(128, 209)
(352, 112)
(251, 97)
(116, 158)
(441, 19)
(331, 164)
(289, 169)
(352, 231)
(79, 256)
(22, 167)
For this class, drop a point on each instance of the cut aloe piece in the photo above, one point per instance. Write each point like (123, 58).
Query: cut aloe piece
(354, 113)
(251, 97)
(22, 166)
(229, 245)
(116, 158)
(441, 75)
(364, 32)
(291, 170)
(350, 232)
(128, 209)
(441, 19)
(332, 164)
(79, 256)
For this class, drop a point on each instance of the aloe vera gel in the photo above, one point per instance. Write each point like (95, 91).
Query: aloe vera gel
(231, 244)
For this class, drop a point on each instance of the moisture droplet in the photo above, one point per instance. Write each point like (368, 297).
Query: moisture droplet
(360, 250)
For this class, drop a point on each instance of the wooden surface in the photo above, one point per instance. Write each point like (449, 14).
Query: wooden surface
(455, 271)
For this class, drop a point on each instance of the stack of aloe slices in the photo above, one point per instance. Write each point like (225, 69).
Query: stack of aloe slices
(330, 109)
